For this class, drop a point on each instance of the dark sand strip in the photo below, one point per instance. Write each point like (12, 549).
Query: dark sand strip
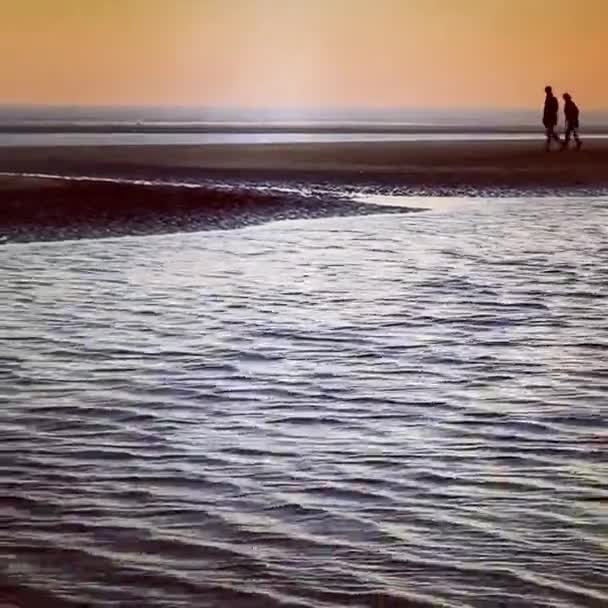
(47, 209)
(427, 166)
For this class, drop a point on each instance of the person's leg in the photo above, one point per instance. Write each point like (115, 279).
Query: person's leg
(555, 135)
(567, 136)
(552, 136)
(577, 139)
(548, 133)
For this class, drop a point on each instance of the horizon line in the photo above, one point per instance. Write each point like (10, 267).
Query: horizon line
(285, 108)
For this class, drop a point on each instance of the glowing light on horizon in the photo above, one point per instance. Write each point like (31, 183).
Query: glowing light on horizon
(373, 53)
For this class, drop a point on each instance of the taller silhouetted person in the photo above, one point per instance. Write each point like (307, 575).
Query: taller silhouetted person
(550, 117)
(571, 114)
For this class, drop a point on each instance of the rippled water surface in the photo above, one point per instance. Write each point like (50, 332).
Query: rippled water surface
(395, 410)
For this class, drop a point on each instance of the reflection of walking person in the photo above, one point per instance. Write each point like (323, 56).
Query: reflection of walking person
(571, 115)
(550, 117)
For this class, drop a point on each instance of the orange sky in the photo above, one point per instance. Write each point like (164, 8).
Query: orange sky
(264, 53)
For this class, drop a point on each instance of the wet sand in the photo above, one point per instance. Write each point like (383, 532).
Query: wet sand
(34, 209)
(508, 164)
(317, 176)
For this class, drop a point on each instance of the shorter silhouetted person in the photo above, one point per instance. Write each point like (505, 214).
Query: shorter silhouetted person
(571, 115)
(550, 117)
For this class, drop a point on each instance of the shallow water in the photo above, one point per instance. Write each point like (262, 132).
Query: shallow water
(155, 139)
(395, 410)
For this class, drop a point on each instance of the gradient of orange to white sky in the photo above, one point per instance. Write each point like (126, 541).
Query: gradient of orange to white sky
(265, 53)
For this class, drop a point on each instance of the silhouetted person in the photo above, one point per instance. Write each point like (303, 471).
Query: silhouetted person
(571, 114)
(550, 117)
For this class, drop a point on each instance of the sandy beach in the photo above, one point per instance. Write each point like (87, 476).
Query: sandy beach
(507, 164)
(309, 180)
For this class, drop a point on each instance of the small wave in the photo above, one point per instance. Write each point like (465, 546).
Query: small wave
(394, 420)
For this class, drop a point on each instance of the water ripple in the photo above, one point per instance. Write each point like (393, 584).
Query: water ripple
(393, 410)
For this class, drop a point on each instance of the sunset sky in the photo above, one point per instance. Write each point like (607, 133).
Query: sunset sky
(267, 53)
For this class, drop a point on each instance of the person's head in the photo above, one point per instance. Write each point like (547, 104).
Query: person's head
(548, 90)
(567, 96)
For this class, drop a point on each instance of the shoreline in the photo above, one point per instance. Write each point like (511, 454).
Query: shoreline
(362, 127)
(130, 190)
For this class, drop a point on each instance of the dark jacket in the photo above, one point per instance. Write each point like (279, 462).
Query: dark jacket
(551, 110)
(571, 113)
